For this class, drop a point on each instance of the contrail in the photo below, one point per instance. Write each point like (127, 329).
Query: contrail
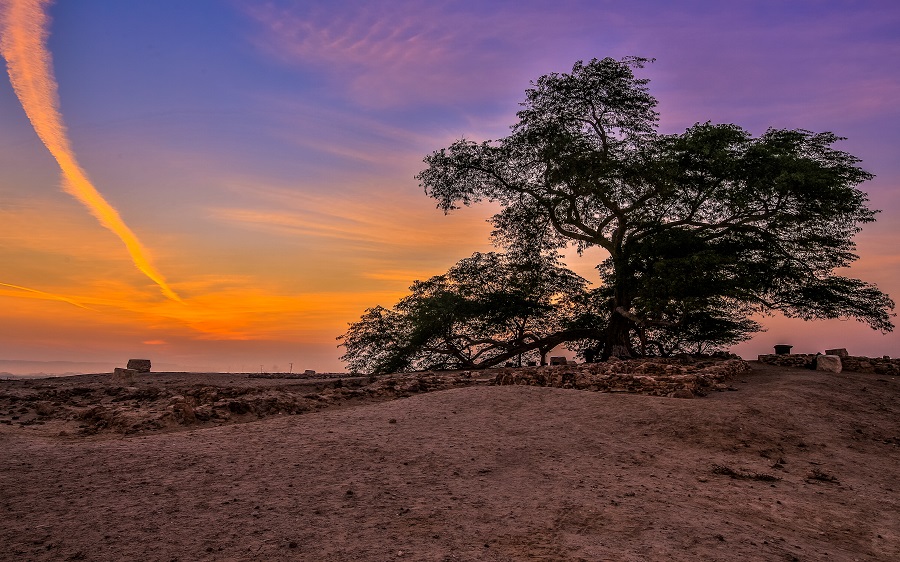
(45, 295)
(23, 35)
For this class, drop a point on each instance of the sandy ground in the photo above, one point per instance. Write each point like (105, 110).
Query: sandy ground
(794, 465)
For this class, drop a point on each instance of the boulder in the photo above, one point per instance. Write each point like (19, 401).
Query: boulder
(558, 361)
(139, 365)
(828, 363)
(840, 352)
(125, 376)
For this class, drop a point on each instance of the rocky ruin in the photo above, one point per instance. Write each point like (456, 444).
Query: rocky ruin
(677, 378)
(139, 365)
(854, 364)
(128, 404)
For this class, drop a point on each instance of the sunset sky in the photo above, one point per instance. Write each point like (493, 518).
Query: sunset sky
(239, 174)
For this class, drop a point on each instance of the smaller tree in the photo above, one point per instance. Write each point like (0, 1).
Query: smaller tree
(487, 309)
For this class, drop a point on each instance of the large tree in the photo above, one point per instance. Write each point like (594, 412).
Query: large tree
(701, 228)
(487, 309)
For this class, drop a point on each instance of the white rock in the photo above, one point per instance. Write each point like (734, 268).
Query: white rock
(828, 363)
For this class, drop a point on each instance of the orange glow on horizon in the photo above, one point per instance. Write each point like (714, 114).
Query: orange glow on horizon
(23, 45)
(236, 310)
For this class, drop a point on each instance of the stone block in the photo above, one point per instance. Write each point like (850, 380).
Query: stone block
(139, 365)
(828, 363)
(125, 376)
(840, 352)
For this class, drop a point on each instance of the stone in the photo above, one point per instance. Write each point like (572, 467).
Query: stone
(139, 365)
(840, 352)
(828, 363)
(124, 375)
(44, 408)
(558, 361)
(183, 410)
(682, 393)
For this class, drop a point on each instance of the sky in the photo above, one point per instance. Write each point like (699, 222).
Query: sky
(226, 184)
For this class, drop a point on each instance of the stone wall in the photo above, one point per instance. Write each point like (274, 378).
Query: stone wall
(852, 363)
(806, 360)
(657, 377)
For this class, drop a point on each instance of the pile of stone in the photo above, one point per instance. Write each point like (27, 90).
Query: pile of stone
(133, 367)
(882, 365)
(804, 360)
(835, 361)
(656, 377)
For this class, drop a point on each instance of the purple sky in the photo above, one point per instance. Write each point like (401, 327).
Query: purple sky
(264, 153)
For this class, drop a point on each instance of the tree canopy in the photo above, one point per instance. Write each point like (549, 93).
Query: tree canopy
(702, 230)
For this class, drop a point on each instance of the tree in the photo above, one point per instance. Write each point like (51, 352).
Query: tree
(487, 309)
(702, 228)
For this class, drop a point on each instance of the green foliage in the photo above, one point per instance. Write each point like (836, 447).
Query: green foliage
(702, 228)
(487, 309)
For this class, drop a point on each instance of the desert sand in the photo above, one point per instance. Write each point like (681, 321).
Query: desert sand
(791, 465)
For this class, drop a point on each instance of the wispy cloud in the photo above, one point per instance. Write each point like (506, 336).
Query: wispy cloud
(34, 293)
(23, 34)
(391, 53)
(364, 217)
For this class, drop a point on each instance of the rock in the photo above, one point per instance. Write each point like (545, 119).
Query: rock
(184, 412)
(124, 375)
(139, 365)
(558, 361)
(238, 407)
(682, 393)
(840, 352)
(44, 408)
(828, 363)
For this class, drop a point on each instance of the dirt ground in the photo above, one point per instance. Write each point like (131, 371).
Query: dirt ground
(793, 465)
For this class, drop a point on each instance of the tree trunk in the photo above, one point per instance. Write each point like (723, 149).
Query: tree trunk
(616, 343)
